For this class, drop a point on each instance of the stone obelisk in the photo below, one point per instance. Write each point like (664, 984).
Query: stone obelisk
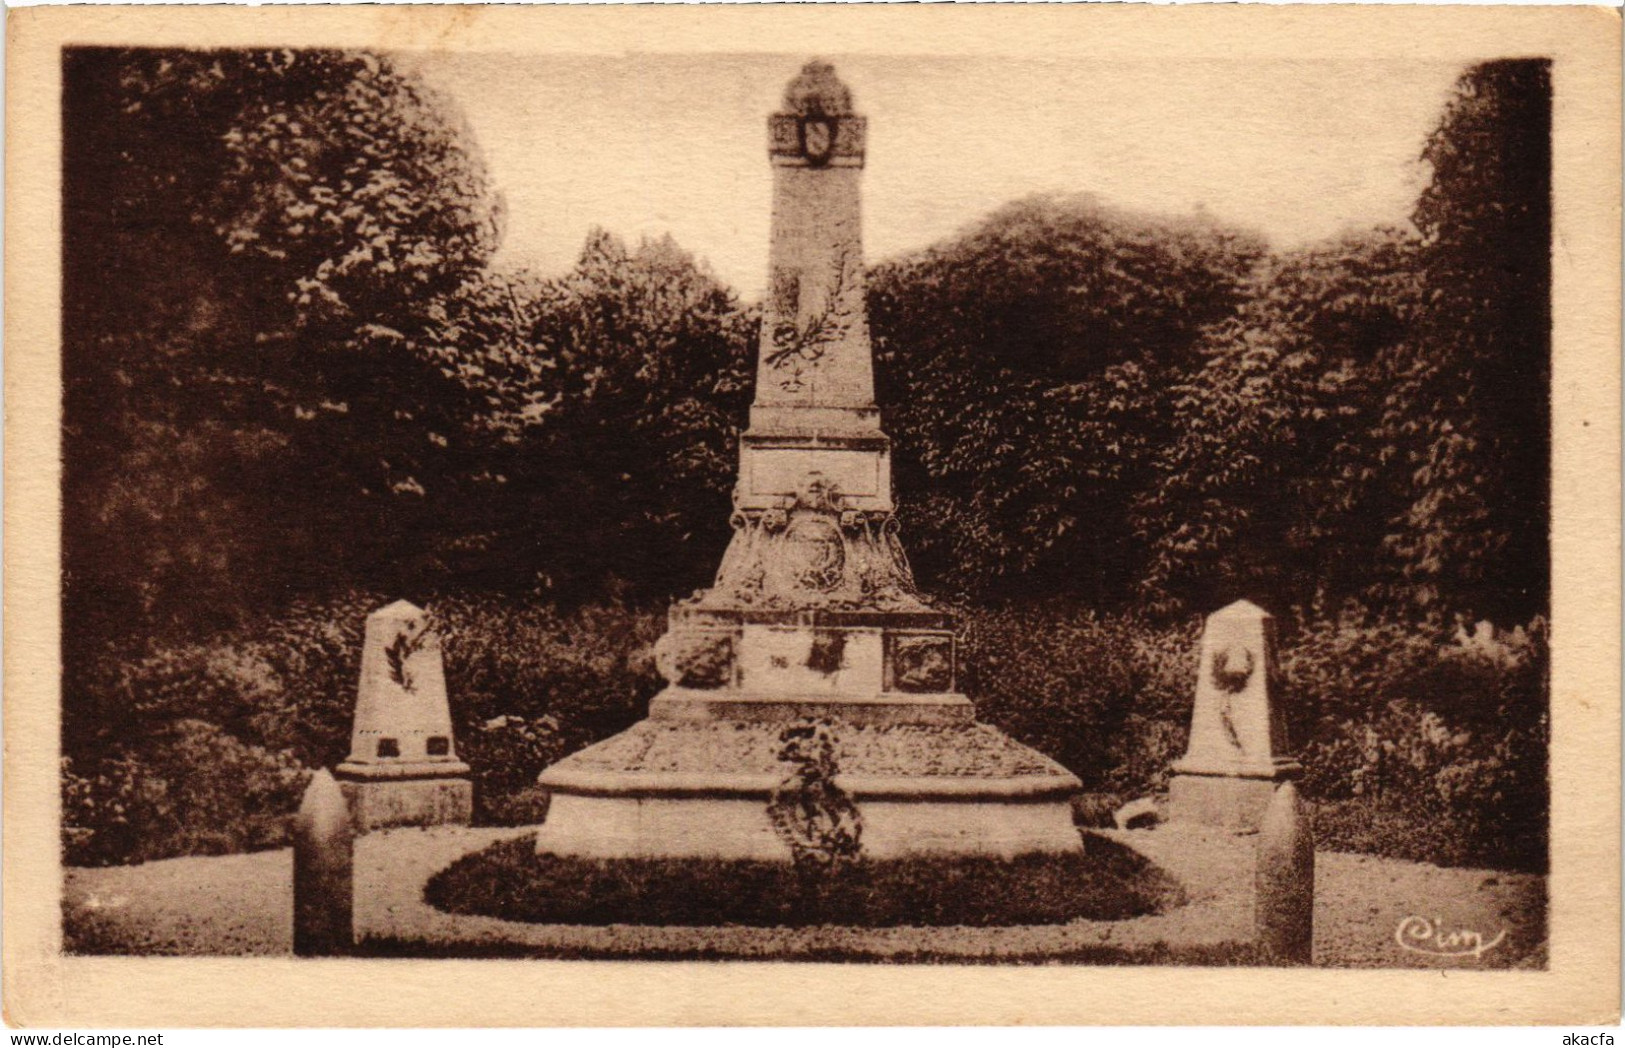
(814, 612)
(814, 374)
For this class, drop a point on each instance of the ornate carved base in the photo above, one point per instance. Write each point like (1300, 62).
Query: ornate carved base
(673, 788)
(808, 559)
(814, 615)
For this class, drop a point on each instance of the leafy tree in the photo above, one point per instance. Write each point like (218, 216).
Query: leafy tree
(1472, 416)
(1374, 423)
(251, 239)
(1021, 366)
(288, 359)
(1270, 486)
(650, 356)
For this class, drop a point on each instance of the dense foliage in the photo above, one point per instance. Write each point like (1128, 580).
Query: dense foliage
(251, 239)
(1022, 368)
(1422, 749)
(293, 376)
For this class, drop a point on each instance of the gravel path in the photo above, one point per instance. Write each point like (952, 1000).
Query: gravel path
(231, 904)
(240, 904)
(1361, 902)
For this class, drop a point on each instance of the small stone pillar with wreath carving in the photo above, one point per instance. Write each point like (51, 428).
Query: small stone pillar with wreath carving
(403, 768)
(1238, 738)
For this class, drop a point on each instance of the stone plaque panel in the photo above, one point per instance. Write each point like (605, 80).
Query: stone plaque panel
(920, 662)
(782, 472)
(805, 660)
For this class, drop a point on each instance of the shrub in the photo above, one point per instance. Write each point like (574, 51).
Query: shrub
(284, 682)
(1424, 751)
(188, 788)
(528, 682)
(590, 669)
(531, 682)
(507, 754)
(1108, 697)
(1413, 749)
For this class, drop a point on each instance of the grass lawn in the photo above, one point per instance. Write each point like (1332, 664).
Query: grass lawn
(509, 880)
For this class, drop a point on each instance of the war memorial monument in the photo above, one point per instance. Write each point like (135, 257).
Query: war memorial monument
(814, 618)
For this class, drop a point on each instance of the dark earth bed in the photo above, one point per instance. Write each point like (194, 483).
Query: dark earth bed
(1107, 881)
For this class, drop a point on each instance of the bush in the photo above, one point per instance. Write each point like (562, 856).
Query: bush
(1424, 751)
(1108, 697)
(507, 755)
(1413, 749)
(529, 683)
(187, 789)
(589, 669)
(286, 682)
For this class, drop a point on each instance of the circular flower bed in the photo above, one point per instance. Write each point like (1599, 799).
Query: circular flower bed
(510, 881)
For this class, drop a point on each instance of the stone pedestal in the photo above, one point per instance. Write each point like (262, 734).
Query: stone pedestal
(769, 646)
(666, 788)
(1235, 757)
(377, 803)
(403, 768)
(814, 613)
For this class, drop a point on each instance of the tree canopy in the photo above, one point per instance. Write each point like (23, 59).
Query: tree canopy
(253, 241)
(1023, 367)
(291, 363)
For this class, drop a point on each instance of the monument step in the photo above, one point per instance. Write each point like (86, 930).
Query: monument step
(588, 783)
(948, 759)
(672, 788)
(711, 611)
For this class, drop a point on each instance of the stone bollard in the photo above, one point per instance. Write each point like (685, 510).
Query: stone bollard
(1284, 904)
(323, 850)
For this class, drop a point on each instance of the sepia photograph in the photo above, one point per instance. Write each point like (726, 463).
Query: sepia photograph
(809, 504)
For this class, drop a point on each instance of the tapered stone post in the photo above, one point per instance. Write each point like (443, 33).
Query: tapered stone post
(1237, 753)
(403, 768)
(323, 850)
(1284, 906)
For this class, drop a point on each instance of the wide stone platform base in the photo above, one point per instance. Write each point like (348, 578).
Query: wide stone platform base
(1232, 802)
(378, 803)
(701, 788)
